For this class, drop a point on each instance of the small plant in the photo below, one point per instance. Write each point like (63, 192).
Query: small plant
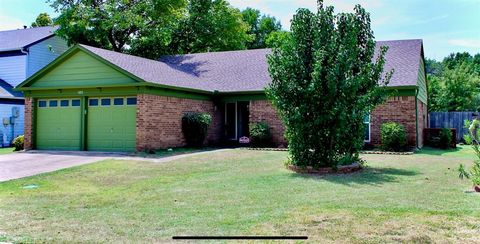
(394, 137)
(445, 138)
(467, 138)
(260, 134)
(474, 173)
(18, 143)
(195, 127)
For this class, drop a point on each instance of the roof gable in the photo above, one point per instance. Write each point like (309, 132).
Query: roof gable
(79, 68)
(18, 39)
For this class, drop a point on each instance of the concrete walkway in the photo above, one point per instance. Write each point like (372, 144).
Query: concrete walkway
(23, 164)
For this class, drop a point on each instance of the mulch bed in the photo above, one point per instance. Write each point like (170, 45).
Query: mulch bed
(387, 153)
(362, 152)
(265, 149)
(324, 171)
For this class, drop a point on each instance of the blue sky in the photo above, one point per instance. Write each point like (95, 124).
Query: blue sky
(445, 26)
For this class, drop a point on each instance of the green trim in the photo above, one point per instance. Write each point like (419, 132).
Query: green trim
(245, 97)
(173, 93)
(416, 118)
(402, 92)
(51, 93)
(34, 123)
(114, 91)
(83, 123)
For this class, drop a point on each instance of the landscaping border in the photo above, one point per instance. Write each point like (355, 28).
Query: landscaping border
(329, 170)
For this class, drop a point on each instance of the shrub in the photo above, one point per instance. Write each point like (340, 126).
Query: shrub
(260, 135)
(18, 142)
(394, 137)
(474, 173)
(467, 139)
(445, 138)
(194, 127)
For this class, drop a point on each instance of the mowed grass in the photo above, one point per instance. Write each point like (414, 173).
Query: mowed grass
(412, 198)
(6, 150)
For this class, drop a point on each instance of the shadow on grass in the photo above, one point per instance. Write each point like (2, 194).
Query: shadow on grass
(438, 152)
(367, 176)
(460, 151)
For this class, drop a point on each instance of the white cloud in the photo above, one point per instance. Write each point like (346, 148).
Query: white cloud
(10, 23)
(470, 43)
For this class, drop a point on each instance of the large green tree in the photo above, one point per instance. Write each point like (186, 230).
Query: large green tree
(324, 83)
(260, 27)
(454, 83)
(455, 90)
(114, 24)
(42, 19)
(210, 25)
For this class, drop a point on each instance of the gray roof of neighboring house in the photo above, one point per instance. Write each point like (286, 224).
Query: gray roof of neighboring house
(16, 39)
(6, 91)
(245, 70)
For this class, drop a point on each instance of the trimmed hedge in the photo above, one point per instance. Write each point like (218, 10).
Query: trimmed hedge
(394, 137)
(260, 135)
(195, 127)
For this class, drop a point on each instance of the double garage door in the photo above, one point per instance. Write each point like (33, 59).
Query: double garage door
(107, 124)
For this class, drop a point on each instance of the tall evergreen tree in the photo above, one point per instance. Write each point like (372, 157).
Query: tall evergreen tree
(324, 84)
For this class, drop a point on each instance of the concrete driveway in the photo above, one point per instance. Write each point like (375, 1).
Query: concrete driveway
(22, 164)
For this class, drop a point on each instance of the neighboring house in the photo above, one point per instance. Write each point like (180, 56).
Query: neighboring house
(22, 53)
(94, 99)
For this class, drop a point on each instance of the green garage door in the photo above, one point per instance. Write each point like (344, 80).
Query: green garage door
(58, 124)
(111, 124)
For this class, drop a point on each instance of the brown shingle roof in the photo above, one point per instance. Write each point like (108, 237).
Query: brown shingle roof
(246, 70)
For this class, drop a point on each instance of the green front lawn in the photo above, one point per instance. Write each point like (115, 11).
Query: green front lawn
(6, 150)
(413, 198)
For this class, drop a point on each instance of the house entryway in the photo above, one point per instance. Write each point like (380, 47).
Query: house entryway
(237, 118)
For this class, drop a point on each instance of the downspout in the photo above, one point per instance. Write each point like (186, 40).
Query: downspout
(22, 50)
(416, 117)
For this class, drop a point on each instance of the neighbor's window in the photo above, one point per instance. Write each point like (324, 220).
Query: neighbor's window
(64, 103)
(131, 101)
(106, 101)
(93, 102)
(42, 104)
(366, 121)
(118, 101)
(53, 103)
(76, 103)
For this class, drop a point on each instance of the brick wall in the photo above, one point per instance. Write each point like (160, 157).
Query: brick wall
(395, 109)
(422, 121)
(159, 121)
(28, 132)
(263, 110)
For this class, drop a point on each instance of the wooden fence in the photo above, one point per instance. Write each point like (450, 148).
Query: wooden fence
(451, 120)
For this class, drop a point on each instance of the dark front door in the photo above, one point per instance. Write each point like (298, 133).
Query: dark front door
(230, 121)
(236, 120)
(243, 119)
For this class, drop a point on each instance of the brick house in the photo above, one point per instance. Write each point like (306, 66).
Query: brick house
(95, 99)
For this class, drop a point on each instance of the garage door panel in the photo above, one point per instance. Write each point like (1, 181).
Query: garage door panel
(111, 125)
(58, 127)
